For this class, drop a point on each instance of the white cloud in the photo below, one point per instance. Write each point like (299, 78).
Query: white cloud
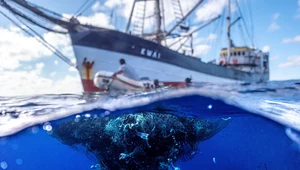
(52, 74)
(297, 16)
(97, 6)
(266, 48)
(292, 40)
(291, 62)
(211, 37)
(23, 83)
(16, 83)
(201, 45)
(73, 60)
(15, 48)
(61, 42)
(201, 50)
(39, 66)
(70, 84)
(211, 9)
(56, 62)
(97, 19)
(274, 25)
(72, 69)
(272, 58)
(276, 16)
(114, 3)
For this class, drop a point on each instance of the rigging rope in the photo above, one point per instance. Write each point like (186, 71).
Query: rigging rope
(247, 31)
(215, 42)
(41, 40)
(16, 12)
(251, 21)
(76, 14)
(47, 10)
(242, 34)
(80, 8)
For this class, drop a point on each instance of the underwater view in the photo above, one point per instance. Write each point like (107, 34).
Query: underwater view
(149, 85)
(208, 126)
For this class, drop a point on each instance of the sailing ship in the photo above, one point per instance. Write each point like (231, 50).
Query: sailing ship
(98, 48)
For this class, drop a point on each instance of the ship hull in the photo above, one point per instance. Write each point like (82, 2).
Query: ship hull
(109, 61)
(101, 49)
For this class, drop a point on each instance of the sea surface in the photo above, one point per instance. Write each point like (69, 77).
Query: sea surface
(204, 127)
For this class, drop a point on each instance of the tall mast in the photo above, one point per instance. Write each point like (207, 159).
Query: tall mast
(158, 21)
(228, 32)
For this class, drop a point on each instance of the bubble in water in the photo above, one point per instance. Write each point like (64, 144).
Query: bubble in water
(19, 161)
(214, 160)
(3, 141)
(15, 146)
(87, 115)
(209, 106)
(97, 167)
(47, 126)
(106, 113)
(35, 129)
(3, 165)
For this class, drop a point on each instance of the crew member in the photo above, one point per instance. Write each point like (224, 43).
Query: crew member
(126, 70)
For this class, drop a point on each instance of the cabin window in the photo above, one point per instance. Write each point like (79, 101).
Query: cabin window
(239, 53)
(243, 53)
(234, 54)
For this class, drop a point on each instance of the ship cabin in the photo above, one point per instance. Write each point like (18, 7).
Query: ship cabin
(245, 59)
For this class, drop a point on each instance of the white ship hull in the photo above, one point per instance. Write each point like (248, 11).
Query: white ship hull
(109, 61)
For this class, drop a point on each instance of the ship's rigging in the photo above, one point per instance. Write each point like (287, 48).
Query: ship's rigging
(180, 31)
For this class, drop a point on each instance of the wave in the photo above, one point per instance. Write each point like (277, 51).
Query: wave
(279, 101)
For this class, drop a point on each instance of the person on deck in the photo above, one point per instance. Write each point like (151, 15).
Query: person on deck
(126, 70)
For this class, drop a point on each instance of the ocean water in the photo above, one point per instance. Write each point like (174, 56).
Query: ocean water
(206, 126)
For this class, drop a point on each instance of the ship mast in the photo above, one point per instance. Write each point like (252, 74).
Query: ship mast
(228, 32)
(159, 34)
(158, 31)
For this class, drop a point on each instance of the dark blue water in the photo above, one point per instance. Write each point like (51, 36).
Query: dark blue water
(263, 132)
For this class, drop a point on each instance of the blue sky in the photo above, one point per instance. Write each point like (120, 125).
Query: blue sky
(27, 68)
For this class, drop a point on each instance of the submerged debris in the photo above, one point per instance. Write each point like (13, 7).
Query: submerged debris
(138, 141)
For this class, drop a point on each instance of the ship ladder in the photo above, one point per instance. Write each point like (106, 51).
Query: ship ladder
(139, 18)
(179, 15)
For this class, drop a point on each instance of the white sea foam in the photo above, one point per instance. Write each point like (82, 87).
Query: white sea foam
(281, 105)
